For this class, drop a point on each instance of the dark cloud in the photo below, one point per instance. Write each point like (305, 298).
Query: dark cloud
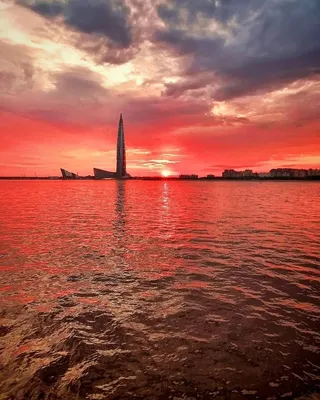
(47, 9)
(102, 52)
(78, 96)
(267, 74)
(75, 95)
(77, 82)
(222, 10)
(187, 44)
(17, 72)
(192, 83)
(108, 18)
(256, 45)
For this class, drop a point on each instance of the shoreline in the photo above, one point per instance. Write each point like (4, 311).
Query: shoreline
(30, 178)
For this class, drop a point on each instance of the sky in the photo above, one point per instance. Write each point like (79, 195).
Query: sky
(203, 85)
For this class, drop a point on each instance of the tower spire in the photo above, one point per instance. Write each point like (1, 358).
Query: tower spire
(121, 151)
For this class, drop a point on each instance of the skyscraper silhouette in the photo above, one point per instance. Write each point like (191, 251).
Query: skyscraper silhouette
(121, 168)
(121, 151)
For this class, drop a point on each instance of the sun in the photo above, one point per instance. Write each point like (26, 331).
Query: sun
(165, 173)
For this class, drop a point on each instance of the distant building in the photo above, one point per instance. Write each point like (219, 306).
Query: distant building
(210, 176)
(288, 173)
(121, 152)
(281, 173)
(231, 173)
(121, 171)
(121, 167)
(264, 174)
(275, 173)
(313, 172)
(68, 175)
(185, 176)
(102, 174)
(299, 173)
(228, 173)
(248, 173)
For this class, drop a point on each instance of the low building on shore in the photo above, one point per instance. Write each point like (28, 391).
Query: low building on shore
(232, 174)
(68, 175)
(313, 172)
(288, 173)
(187, 176)
(248, 173)
(264, 175)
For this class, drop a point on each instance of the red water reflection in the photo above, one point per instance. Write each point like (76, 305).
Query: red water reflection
(200, 282)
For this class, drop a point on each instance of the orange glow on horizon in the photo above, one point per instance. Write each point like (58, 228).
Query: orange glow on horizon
(165, 173)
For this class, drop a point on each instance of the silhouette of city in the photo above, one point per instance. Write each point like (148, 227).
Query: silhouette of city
(121, 168)
(228, 174)
(121, 172)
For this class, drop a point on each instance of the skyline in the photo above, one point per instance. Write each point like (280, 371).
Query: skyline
(206, 87)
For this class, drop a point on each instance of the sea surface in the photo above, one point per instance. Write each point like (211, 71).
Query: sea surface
(159, 290)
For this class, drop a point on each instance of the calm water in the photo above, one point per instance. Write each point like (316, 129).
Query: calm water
(159, 290)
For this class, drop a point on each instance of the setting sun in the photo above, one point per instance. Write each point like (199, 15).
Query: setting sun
(165, 173)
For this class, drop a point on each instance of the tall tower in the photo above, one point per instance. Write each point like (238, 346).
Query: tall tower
(121, 151)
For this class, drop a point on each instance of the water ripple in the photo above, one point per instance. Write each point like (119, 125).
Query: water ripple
(159, 290)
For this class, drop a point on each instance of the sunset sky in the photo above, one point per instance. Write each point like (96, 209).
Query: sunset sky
(203, 85)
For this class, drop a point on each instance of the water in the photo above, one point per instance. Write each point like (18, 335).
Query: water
(159, 290)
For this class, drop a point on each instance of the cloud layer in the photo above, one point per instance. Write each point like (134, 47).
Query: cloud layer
(106, 18)
(249, 45)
